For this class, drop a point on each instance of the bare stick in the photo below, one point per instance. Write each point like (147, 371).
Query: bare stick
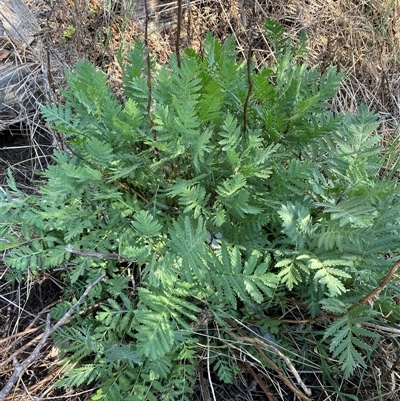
(178, 34)
(249, 80)
(249, 87)
(375, 292)
(90, 254)
(148, 64)
(390, 371)
(208, 365)
(20, 367)
(379, 288)
(261, 383)
(259, 345)
(189, 20)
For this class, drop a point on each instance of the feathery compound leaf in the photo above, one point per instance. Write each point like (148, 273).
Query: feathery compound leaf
(115, 317)
(330, 276)
(231, 186)
(345, 335)
(276, 35)
(62, 118)
(360, 126)
(258, 283)
(329, 83)
(249, 283)
(201, 148)
(181, 185)
(231, 134)
(352, 211)
(293, 272)
(97, 151)
(160, 315)
(333, 305)
(145, 224)
(155, 335)
(225, 371)
(296, 222)
(89, 90)
(194, 198)
(210, 103)
(188, 243)
(122, 352)
(22, 258)
(77, 376)
(331, 235)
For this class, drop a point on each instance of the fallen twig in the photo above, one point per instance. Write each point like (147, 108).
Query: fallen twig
(20, 367)
(90, 254)
(260, 345)
(261, 383)
(375, 292)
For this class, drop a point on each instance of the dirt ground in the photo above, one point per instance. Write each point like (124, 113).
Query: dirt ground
(360, 37)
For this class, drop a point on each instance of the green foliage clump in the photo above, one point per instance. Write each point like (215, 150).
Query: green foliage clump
(191, 210)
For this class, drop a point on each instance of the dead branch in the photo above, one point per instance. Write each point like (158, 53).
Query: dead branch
(20, 367)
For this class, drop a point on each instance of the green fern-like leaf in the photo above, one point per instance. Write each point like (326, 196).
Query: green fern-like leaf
(62, 118)
(22, 258)
(160, 315)
(351, 211)
(231, 187)
(249, 283)
(145, 224)
(194, 198)
(230, 136)
(122, 352)
(225, 372)
(296, 223)
(346, 334)
(189, 243)
(293, 271)
(97, 151)
(329, 276)
(115, 317)
(276, 34)
(78, 376)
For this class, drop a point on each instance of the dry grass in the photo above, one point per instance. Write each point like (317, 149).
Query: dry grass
(360, 37)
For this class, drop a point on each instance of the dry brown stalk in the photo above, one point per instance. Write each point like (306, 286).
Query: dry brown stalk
(49, 330)
(20, 350)
(18, 336)
(367, 298)
(261, 383)
(262, 345)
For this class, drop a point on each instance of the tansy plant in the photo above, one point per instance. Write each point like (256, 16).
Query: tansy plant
(213, 194)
